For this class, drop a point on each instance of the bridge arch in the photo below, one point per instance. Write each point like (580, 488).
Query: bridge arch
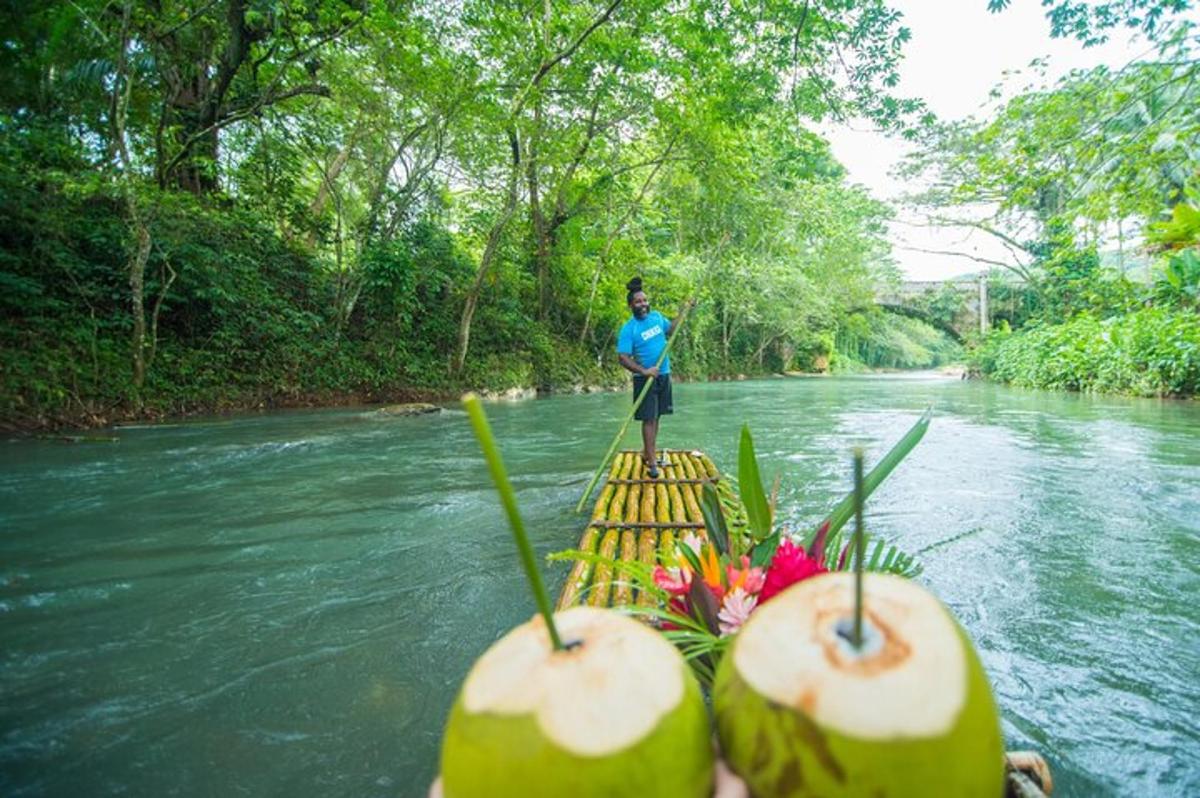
(920, 315)
(912, 313)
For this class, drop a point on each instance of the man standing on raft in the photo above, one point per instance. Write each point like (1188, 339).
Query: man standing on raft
(639, 345)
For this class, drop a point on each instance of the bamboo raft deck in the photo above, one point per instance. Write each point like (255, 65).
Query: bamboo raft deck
(638, 519)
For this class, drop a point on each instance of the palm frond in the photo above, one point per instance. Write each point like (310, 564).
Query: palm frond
(881, 557)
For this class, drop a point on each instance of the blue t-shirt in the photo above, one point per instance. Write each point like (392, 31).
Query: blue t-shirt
(645, 340)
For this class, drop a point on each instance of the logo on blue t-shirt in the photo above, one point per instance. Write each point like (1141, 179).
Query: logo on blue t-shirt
(645, 340)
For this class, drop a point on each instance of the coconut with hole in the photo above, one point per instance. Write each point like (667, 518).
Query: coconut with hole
(802, 711)
(617, 713)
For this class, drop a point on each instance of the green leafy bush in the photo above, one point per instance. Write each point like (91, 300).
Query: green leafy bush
(1152, 351)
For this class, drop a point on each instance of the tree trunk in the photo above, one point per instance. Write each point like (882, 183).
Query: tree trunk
(168, 277)
(328, 179)
(537, 217)
(587, 317)
(195, 171)
(122, 88)
(137, 290)
(542, 258)
(724, 338)
(489, 254)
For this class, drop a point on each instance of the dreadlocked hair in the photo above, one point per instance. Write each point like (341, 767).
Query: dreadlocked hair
(633, 287)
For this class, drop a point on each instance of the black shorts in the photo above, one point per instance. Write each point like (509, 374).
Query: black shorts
(658, 398)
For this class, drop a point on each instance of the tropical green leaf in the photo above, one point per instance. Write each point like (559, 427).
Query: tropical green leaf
(884, 558)
(763, 551)
(758, 513)
(714, 519)
(845, 508)
(692, 558)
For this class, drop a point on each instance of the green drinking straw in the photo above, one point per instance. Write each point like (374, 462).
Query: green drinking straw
(859, 546)
(487, 442)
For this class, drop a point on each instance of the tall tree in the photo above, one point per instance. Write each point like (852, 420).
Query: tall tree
(224, 62)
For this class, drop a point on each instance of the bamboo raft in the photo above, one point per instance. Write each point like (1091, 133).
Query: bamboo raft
(639, 519)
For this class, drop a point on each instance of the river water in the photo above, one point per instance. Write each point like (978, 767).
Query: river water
(286, 604)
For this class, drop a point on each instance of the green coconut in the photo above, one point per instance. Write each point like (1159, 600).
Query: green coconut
(801, 711)
(618, 713)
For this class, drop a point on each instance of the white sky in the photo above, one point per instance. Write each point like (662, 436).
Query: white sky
(957, 54)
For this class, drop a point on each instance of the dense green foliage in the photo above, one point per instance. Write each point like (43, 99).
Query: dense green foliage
(1078, 182)
(1117, 336)
(233, 203)
(1148, 352)
(229, 204)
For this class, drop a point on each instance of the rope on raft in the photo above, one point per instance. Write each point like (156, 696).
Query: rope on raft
(645, 525)
(648, 481)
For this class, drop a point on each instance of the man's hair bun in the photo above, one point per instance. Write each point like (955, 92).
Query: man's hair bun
(634, 285)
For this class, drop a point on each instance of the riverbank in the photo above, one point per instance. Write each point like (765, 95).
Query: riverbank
(85, 417)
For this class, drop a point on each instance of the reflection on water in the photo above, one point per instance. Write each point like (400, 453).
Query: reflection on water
(287, 603)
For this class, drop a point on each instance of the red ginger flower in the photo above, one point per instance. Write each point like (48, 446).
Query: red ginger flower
(789, 565)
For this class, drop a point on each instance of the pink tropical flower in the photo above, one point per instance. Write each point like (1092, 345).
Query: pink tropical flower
(749, 579)
(675, 581)
(789, 565)
(735, 610)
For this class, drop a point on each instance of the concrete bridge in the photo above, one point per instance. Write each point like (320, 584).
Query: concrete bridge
(914, 297)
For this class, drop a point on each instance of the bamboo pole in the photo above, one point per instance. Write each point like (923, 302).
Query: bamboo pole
(615, 471)
(694, 480)
(693, 509)
(647, 549)
(678, 511)
(581, 572)
(666, 547)
(649, 492)
(623, 588)
(616, 507)
(601, 510)
(602, 581)
(678, 325)
(662, 504)
(669, 471)
(632, 502)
